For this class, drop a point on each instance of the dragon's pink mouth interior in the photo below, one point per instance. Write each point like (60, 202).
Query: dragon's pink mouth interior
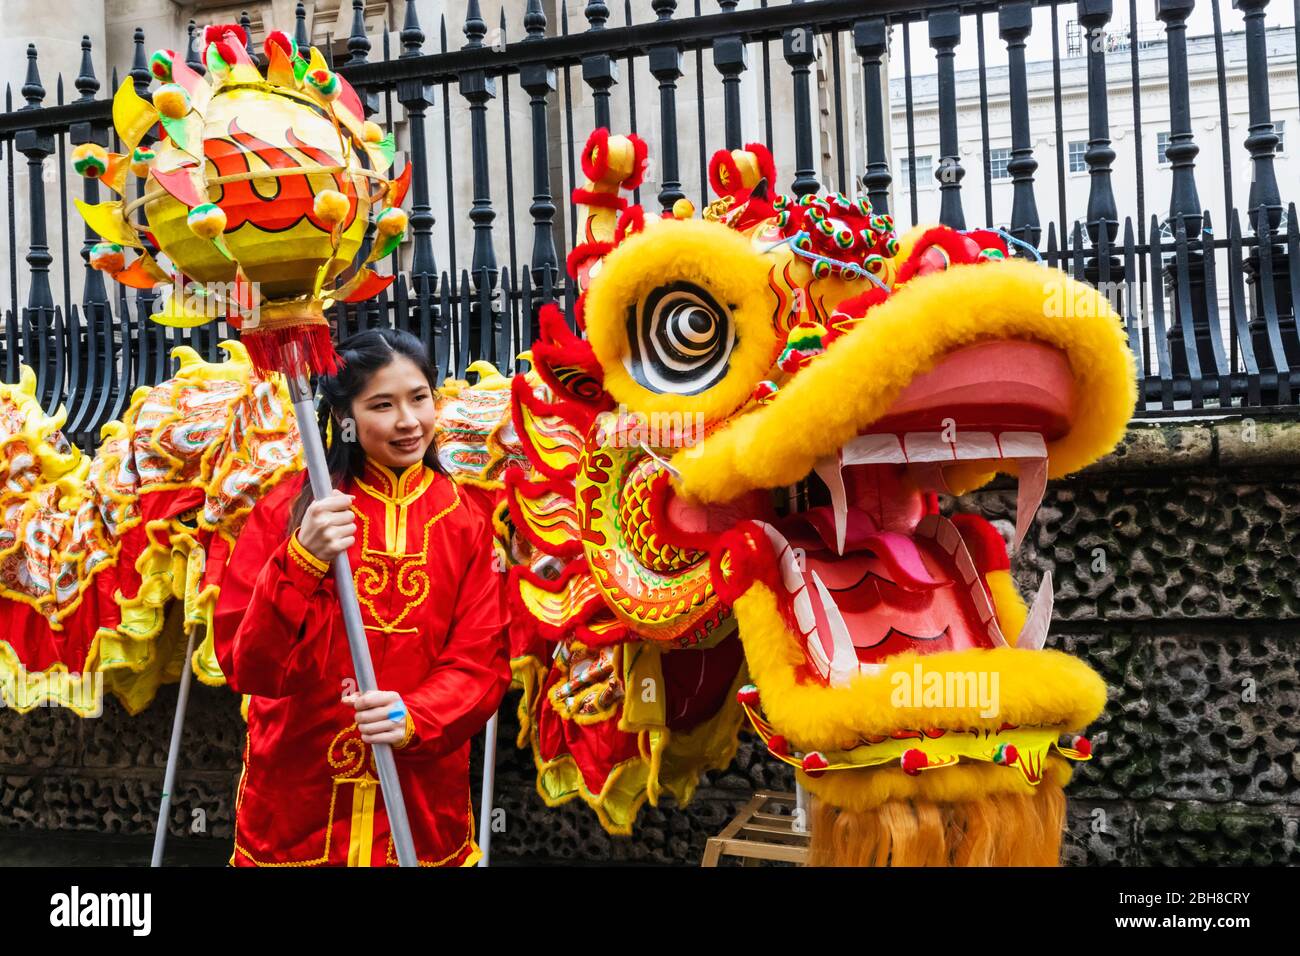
(888, 592)
(867, 566)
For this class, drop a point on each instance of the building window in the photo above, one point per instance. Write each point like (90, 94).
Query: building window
(998, 159)
(1279, 127)
(924, 171)
(1162, 144)
(1077, 163)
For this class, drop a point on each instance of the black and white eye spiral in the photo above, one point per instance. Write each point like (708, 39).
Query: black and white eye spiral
(680, 340)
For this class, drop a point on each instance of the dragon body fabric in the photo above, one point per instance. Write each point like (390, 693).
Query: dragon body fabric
(718, 497)
(108, 563)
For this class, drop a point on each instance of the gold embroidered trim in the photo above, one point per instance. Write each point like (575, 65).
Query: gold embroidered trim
(391, 856)
(305, 559)
(396, 506)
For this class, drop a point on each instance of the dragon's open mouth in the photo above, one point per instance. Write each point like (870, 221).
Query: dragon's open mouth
(866, 566)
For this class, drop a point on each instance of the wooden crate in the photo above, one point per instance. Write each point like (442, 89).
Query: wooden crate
(763, 830)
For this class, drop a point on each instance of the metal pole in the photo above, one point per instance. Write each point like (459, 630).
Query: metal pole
(802, 805)
(489, 785)
(173, 754)
(318, 472)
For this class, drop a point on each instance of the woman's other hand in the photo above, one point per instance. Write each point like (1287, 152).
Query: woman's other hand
(328, 526)
(381, 716)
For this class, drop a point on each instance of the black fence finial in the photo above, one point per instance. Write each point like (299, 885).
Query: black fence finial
(300, 34)
(475, 27)
(412, 36)
(535, 20)
(358, 42)
(86, 82)
(33, 92)
(139, 71)
(596, 13)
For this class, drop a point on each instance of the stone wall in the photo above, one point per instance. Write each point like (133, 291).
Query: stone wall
(1174, 563)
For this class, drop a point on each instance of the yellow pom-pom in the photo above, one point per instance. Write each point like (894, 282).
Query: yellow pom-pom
(207, 221)
(683, 208)
(171, 101)
(370, 132)
(141, 159)
(330, 206)
(391, 222)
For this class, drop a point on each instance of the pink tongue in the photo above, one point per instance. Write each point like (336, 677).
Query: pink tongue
(902, 557)
(898, 552)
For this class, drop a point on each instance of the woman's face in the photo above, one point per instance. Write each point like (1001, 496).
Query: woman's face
(395, 414)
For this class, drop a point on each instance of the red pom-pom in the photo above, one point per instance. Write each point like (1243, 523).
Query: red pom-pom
(913, 761)
(281, 39)
(814, 764)
(1083, 745)
(777, 745)
(1006, 755)
(748, 696)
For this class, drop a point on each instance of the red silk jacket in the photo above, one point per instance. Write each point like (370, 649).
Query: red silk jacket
(435, 615)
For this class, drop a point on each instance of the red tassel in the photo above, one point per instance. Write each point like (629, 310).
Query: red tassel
(266, 348)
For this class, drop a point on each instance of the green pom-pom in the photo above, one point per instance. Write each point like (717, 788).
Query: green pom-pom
(160, 64)
(325, 83)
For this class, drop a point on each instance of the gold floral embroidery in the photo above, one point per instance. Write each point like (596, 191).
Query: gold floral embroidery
(411, 580)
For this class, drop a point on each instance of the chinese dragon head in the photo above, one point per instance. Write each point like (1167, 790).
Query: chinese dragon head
(731, 510)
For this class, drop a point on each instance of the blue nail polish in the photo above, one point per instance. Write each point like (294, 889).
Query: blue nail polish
(396, 714)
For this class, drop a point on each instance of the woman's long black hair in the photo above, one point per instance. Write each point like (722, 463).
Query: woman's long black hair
(363, 355)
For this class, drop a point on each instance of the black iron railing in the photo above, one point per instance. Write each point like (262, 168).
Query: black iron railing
(1208, 300)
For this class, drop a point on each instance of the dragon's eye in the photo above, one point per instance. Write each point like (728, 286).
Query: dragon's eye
(680, 339)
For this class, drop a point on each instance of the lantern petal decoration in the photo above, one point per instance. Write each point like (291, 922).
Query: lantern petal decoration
(368, 285)
(142, 273)
(398, 186)
(106, 219)
(132, 115)
(260, 183)
(279, 66)
(177, 312)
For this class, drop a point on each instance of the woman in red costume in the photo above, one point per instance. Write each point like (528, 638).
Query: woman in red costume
(434, 612)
